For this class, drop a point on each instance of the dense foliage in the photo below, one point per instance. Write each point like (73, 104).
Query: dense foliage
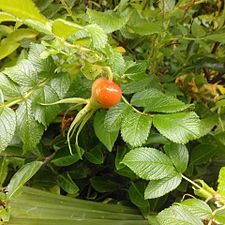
(160, 149)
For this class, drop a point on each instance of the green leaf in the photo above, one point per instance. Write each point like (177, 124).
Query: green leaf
(7, 47)
(61, 84)
(140, 85)
(28, 129)
(220, 216)
(115, 60)
(22, 9)
(41, 65)
(3, 170)
(198, 207)
(158, 188)
(149, 163)
(21, 177)
(64, 29)
(146, 28)
(221, 182)
(197, 30)
(155, 101)
(45, 114)
(106, 137)
(114, 116)
(179, 155)
(7, 126)
(135, 128)
(136, 70)
(24, 73)
(167, 6)
(109, 21)
(95, 155)
(91, 71)
(202, 153)
(136, 195)
(179, 127)
(104, 184)
(8, 87)
(97, 35)
(216, 37)
(67, 184)
(6, 17)
(175, 215)
(207, 124)
(64, 158)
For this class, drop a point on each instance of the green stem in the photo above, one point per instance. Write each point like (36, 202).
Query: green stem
(192, 182)
(77, 120)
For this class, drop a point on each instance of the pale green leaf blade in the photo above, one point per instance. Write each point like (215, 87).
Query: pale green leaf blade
(135, 128)
(114, 116)
(64, 29)
(7, 48)
(175, 215)
(179, 155)
(107, 138)
(8, 87)
(29, 130)
(149, 163)
(22, 9)
(7, 126)
(221, 182)
(61, 84)
(24, 73)
(43, 113)
(109, 21)
(179, 127)
(40, 64)
(158, 188)
(97, 35)
(220, 216)
(6, 17)
(198, 207)
(21, 177)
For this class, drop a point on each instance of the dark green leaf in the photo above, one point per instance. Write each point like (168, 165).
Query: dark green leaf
(3, 170)
(104, 184)
(67, 184)
(149, 163)
(95, 155)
